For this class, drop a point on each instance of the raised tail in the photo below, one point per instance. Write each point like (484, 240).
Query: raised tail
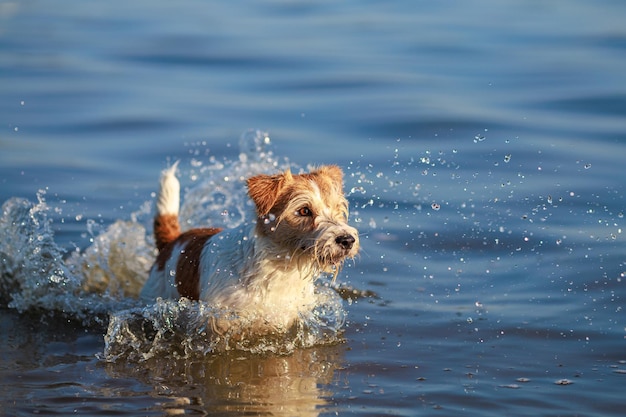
(166, 226)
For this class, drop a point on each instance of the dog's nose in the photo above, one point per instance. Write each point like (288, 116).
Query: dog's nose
(345, 241)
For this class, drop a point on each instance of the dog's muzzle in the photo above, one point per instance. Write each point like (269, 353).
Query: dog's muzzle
(345, 241)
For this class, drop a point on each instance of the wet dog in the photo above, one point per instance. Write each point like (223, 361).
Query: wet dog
(264, 271)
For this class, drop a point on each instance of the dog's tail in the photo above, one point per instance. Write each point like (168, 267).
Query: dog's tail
(166, 226)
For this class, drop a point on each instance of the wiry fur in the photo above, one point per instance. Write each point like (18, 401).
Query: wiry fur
(264, 270)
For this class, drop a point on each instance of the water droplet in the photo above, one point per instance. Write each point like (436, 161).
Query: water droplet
(587, 166)
(563, 382)
(507, 158)
(435, 206)
(479, 138)
(549, 199)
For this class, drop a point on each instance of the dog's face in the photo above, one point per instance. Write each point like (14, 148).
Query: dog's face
(306, 216)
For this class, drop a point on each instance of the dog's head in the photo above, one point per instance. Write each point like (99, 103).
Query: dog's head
(306, 216)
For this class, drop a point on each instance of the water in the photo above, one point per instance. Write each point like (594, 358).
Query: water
(483, 148)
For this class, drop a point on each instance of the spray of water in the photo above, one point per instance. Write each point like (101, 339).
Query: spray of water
(99, 284)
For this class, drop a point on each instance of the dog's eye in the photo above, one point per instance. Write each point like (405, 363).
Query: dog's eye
(305, 212)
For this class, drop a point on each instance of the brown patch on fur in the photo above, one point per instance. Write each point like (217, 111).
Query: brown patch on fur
(187, 268)
(267, 190)
(166, 230)
(264, 190)
(325, 173)
(329, 180)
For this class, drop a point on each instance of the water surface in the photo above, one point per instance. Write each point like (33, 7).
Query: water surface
(483, 147)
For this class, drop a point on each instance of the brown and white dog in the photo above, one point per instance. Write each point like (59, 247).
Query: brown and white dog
(265, 270)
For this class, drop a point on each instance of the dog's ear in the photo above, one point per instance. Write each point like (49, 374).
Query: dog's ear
(264, 190)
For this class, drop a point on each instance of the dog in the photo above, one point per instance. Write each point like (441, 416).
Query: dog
(263, 271)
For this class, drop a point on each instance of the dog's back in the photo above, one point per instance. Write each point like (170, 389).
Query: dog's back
(179, 253)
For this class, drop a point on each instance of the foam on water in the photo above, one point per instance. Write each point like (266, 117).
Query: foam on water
(101, 282)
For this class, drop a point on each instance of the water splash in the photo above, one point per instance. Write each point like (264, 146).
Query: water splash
(33, 274)
(28, 251)
(216, 196)
(99, 284)
(184, 329)
(117, 261)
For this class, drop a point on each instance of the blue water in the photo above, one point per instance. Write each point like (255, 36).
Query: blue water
(483, 144)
